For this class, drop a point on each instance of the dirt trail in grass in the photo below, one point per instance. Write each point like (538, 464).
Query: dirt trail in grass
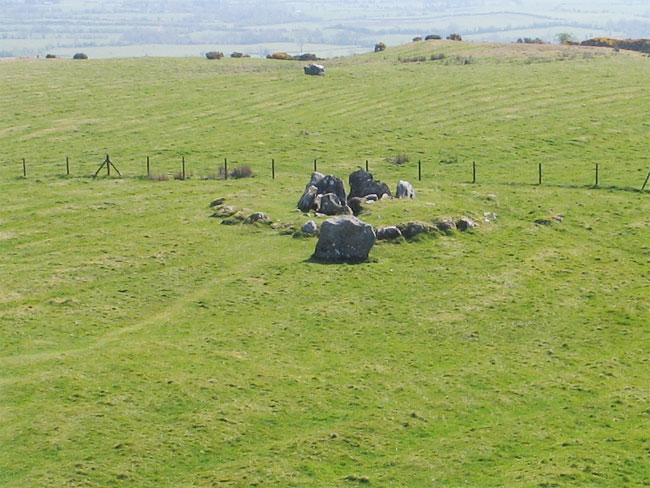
(165, 314)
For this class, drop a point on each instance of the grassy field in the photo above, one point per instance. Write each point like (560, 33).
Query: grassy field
(145, 344)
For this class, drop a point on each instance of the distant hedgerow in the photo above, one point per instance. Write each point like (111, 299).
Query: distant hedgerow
(283, 56)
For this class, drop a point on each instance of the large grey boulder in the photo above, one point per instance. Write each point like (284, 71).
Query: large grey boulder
(404, 190)
(345, 238)
(363, 184)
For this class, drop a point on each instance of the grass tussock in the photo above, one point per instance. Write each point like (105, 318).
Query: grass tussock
(157, 177)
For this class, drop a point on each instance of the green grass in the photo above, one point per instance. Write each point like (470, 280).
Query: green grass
(145, 344)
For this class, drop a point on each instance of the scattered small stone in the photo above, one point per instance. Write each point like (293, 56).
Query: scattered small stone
(445, 225)
(465, 223)
(310, 227)
(490, 216)
(257, 217)
(544, 222)
(404, 190)
(412, 229)
(357, 479)
(234, 219)
(225, 211)
(217, 202)
(389, 233)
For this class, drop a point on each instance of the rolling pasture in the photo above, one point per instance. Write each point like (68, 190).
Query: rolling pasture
(145, 344)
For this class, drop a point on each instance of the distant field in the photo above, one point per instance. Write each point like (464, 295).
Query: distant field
(333, 28)
(145, 344)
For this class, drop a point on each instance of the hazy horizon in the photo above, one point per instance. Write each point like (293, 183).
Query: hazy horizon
(326, 27)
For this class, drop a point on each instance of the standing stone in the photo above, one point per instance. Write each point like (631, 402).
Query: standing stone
(345, 238)
(308, 200)
(405, 190)
(332, 184)
(321, 185)
(362, 184)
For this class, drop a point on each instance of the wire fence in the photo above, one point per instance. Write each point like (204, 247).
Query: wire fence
(595, 175)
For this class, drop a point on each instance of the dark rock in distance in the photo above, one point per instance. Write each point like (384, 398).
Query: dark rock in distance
(345, 238)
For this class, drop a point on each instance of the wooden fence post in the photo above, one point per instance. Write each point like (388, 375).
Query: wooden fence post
(108, 165)
(419, 170)
(24, 168)
(645, 182)
(183, 168)
(225, 168)
(473, 171)
(148, 167)
(67, 166)
(597, 175)
(315, 165)
(366, 165)
(273, 169)
(540, 174)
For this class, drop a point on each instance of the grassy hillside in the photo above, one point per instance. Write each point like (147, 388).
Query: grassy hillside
(145, 344)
